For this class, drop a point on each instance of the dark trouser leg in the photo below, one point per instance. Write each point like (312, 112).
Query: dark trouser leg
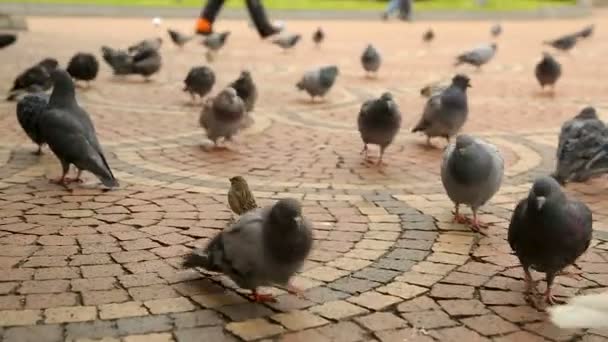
(211, 10)
(258, 15)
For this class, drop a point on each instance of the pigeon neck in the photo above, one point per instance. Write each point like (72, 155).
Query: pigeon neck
(62, 97)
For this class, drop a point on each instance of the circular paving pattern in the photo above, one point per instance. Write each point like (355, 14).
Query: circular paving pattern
(388, 262)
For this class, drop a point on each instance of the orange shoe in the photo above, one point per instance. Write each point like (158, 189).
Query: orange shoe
(203, 26)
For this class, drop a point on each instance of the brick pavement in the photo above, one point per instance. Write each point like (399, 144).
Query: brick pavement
(388, 263)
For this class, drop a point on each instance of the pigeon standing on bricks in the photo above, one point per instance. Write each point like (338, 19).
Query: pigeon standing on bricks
(199, 81)
(371, 60)
(548, 71)
(29, 110)
(179, 38)
(246, 89)
(379, 122)
(223, 116)
(83, 67)
(318, 82)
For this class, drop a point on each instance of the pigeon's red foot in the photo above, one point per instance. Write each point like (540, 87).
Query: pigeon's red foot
(458, 218)
(263, 298)
(295, 291)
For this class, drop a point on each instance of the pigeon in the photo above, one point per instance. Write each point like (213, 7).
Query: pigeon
(83, 67)
(548, 232)
(379, 122)
(29, 110)
(564, 43)
(586, 32)
(445, 113)
(471, 173)
(7, 39)
(240, 198)
(214, 42)
(582, 312)
(199, 81)
(371, 60)
(34, 79)
(179, 38)
(68, 130)
(246, 89)
(147, 44)
(582, 150)
(146, 62)
(434, 88)
(318, 37)
(496, 30)
(223, 116)
(319, 81)
(119, 60)
(478, 56)
(287, 41)
(548, 71)
(265, 247)
(428, 36)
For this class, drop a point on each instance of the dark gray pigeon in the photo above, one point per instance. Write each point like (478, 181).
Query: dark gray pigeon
(265, 247)
(68, 130)
(287, 41)
(34, 79)
(318, 82)
(318, 37)
(200, 81)
(147, 44)
(564, 43)
(471, 173)
(179, 38)
(586, 32)
(7, 39)
(445, 112)
(29, 110)
(119, 60)
(582, 150)
(246, 89)
(83, 67)
(146, 62)
(496, 30)
(379, 122)
(478, 56)
(214, 42)
(371, 60)
(548, 232)
(548, 71)
(428, 36)
(223, 116)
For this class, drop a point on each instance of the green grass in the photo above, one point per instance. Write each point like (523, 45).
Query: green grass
(493, 5)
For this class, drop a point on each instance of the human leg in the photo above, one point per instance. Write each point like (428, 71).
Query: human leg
(260, 20)
(208, 15)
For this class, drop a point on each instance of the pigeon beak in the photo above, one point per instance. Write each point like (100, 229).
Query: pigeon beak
(540, 202)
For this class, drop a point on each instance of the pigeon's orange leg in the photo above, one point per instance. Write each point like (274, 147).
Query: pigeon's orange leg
(475, 224)
(457, 217)
(262, 298)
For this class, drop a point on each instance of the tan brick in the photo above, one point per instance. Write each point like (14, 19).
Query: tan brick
(11, 302)
(374, 300)
(104, 283)
(160, 337)
(56, 273)
(128, 309)
(153, 292)
(44, 286)
(105, 297)
(43, 301)
(299, 320)
(160, 306)
(254, 329)
(20, 317)
(97, 271)
(70, 314)
(338, 309)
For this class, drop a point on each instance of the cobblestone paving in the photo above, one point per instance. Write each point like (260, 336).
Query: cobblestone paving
(388, 263)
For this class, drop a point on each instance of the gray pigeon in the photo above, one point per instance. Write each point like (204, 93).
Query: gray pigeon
(548, 232)
(246, 89)
(265, 247)
(435, 88)
(582, 150)
(548, 71)
(147, 44)
(564, 43)
(379, 122)
(586, 32)
(371, 60)
(146, 62)
(200, 81)
(319, 81)
(69, 132)
(223, 116)
(214, 42)
(496, 30)
(83, 67)
(428, 36)
(318, 37)
(179, 38)
(287, 41)
(471, 173)
(34, 79)
(446, 112)
(120, 61)
(478, 56)
(29, 110)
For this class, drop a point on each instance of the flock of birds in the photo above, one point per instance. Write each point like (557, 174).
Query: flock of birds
(267, 246)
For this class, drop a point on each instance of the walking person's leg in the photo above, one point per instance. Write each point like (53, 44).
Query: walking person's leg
(405, 9)
(260, 20)
(208, 14)
(392, 6)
